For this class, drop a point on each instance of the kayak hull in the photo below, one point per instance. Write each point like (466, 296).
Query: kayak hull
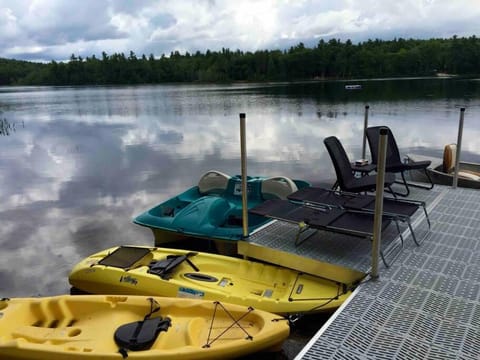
(213, 277)
(83, 327)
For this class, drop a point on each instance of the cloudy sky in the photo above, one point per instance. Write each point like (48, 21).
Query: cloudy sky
(45, 30)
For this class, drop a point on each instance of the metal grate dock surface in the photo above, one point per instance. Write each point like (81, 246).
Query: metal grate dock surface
(427, 304)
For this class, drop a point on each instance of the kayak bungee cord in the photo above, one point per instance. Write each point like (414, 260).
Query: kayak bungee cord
(235, 322)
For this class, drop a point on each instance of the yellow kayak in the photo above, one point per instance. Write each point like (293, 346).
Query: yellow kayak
(135, 327)
(179, 273)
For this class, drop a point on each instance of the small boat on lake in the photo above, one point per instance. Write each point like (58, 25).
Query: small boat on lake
(108, 327)
(140, 270)
(213, 208)
(353, 87)
(442, 171)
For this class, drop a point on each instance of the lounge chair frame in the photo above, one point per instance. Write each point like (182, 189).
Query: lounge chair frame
(327, 218)
(401, 209)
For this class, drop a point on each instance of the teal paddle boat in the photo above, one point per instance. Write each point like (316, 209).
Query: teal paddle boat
(213, 208)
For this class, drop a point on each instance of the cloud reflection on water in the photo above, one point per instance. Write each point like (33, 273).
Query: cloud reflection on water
(89, 159)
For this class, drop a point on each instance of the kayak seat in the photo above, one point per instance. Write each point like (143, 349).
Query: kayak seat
(164, 267)
(140, 335)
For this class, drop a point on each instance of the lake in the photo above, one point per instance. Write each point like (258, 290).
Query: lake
(78, 163)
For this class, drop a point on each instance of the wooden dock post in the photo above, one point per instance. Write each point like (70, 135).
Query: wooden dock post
(243, 157)
(365, 126)
(377, 223)
(459, 148)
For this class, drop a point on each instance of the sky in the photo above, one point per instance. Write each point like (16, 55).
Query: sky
(46, 30)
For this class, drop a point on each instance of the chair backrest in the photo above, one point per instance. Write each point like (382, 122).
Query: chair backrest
(278, 187)
(213, 182)
(373, 137)
(340, 160)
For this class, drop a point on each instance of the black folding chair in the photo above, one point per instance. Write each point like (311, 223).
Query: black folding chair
(337, 220)
(346, 179)
(399, 209)
(393, 161)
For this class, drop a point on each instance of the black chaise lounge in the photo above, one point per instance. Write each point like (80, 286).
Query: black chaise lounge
(337, 220)
(393, 161)
(399, 209)
(346, 179)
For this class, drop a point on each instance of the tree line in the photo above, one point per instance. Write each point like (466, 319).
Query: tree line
(331, 59)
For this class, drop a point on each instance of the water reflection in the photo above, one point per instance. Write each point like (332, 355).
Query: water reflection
(7, 128)
(89, 159)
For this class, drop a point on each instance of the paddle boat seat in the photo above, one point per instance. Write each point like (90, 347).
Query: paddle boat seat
(213, 182)
(277, 187)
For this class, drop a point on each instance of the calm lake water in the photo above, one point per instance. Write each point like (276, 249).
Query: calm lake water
(78, 163)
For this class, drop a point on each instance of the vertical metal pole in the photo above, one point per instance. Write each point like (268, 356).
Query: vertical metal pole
(459, 148)
(243, 157)
(377, 223)
(365, 125)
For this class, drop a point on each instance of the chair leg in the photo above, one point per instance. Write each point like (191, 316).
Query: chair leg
(429, 179)
(390, 190)
(405, 183)
(426, 216)
(411, 232)
(393, 192)
(394, 252)
(301, 230)
(427, 187)
(387, 265)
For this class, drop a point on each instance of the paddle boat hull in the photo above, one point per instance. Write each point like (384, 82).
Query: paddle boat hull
(213, 208)
(140, 270)
(135, 327)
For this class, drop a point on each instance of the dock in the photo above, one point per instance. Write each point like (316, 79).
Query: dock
(425, 305)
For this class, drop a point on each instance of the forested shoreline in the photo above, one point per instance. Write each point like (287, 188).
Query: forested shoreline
(331, 59)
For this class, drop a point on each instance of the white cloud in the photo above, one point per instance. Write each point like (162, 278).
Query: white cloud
(8, 24)
(57, 21)
(54, 29)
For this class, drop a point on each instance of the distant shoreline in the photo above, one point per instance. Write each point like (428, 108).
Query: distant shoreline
(332, 59)
(266, 82)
